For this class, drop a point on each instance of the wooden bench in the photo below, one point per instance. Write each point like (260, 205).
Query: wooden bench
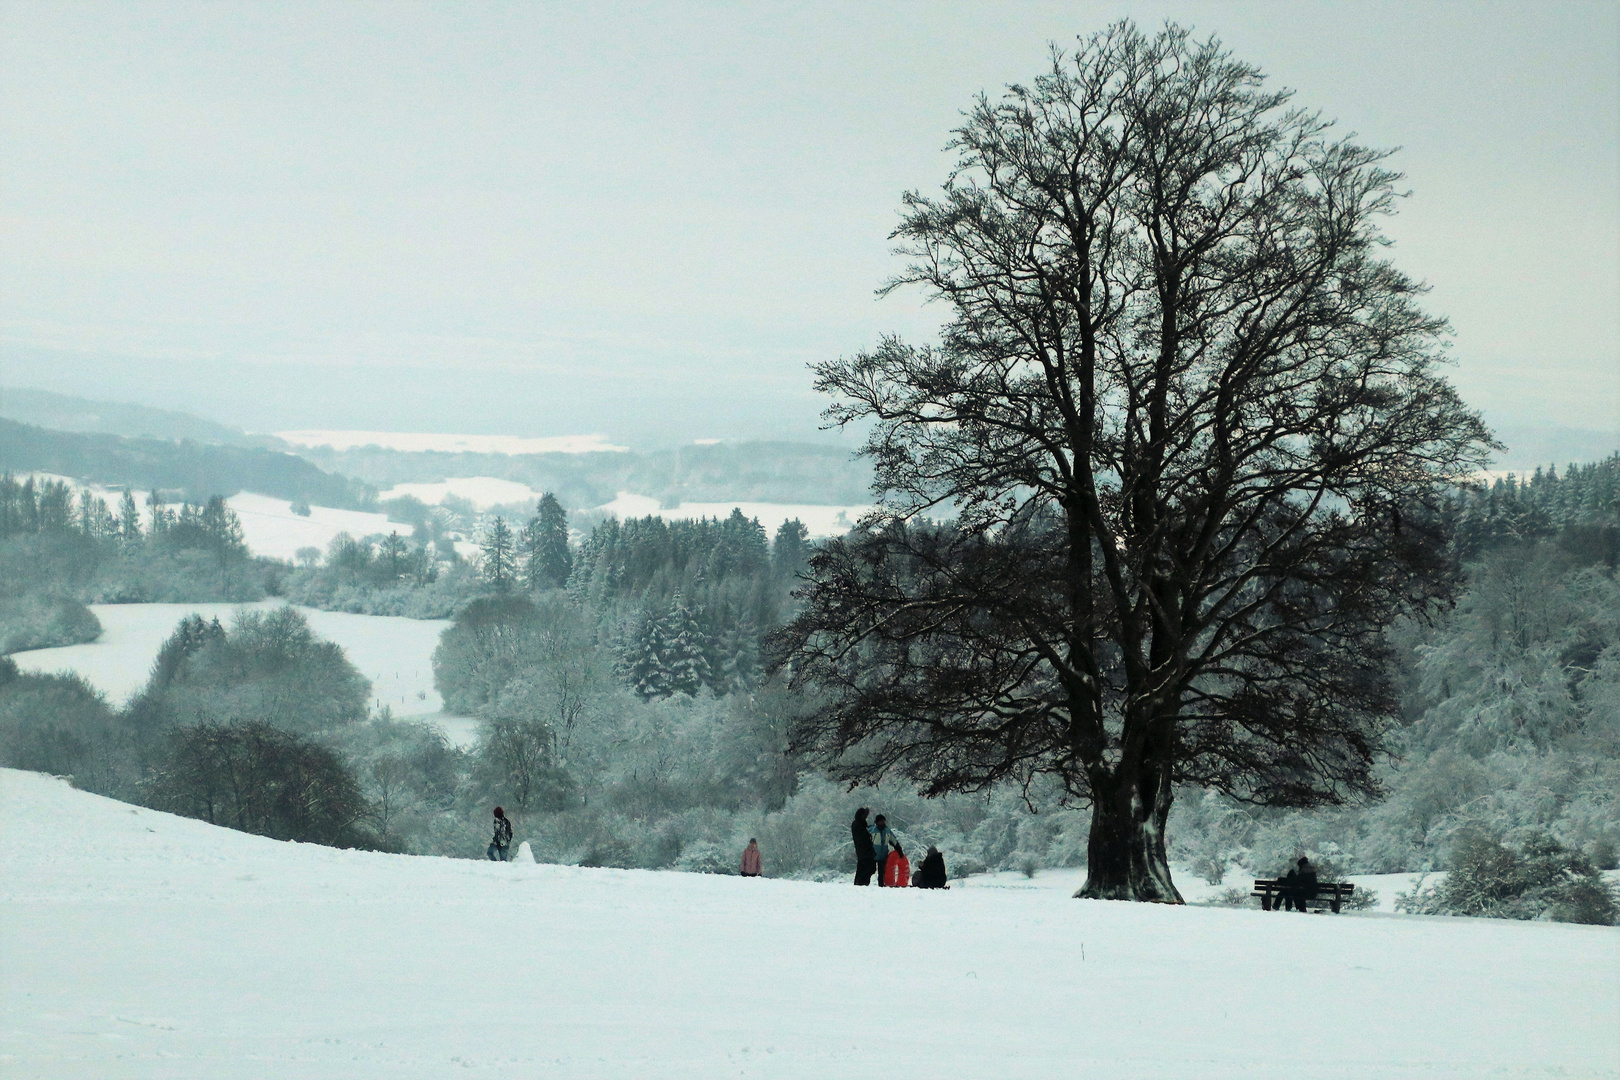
(1328, 894)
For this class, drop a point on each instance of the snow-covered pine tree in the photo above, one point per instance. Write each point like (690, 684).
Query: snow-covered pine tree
(500, 555)
(129, 517)
(686, 661)
(648, 668)
(553, 560)
(394, 555)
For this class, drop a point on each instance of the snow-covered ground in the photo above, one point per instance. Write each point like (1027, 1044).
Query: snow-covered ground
(137, 944)
(482, 491)
(420, 442)
(820, 520)
(395, 654)
(273, 530)
(1194, 889)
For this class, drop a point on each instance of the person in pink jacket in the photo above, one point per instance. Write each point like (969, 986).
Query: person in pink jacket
(750, 860)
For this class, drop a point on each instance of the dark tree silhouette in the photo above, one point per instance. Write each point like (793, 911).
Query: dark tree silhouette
(1187, 419)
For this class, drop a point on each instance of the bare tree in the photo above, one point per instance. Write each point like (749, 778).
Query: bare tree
(1187, 419)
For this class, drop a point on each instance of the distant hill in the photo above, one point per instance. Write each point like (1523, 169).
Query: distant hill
(62, 412)
(188, 469)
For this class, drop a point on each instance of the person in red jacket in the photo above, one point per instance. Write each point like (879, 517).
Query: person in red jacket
(750, 859)
(897, 871)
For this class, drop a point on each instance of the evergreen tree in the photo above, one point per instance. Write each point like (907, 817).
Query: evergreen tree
(685, 649)
(129, 517)
(790, 551)
(393, 555)
(222, 526)
(550, 561)
(648, 668)
(500, 555)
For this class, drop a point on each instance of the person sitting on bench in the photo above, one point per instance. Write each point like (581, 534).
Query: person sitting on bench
(1301, 887)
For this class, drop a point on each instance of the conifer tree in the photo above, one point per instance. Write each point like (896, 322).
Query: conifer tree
(648, 670)
(685, 652)
(790, 551)
(500, 555)
(550, 559)
(129, 517)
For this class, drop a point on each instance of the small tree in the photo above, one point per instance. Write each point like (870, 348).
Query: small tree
(129, 517)
(1187, 418)
(259, 779)
(500, 555)
(790, 551)
(516, 756)
(394, 555)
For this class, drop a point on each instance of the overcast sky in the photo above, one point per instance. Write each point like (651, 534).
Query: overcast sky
(645, 220)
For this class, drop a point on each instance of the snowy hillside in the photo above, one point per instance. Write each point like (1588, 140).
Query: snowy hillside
(396, 654)
(141, 945)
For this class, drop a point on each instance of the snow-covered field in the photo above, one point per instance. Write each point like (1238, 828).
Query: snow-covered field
(482, 491)
(395, 654)
(272, 529)
(820, 520)
(421, 442)
(1193, 889)
(137, 944)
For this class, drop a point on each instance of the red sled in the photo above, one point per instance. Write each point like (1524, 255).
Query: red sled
(897, 871)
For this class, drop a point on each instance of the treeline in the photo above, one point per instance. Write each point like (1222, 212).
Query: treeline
(1507, 752)
(242, 727)
(59, 552)
(192, 471)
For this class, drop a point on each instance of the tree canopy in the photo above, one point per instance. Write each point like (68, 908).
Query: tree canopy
(1186, 425)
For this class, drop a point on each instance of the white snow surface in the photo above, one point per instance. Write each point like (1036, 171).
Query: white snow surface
(137, 944)
(1194, 889)
(482, 491)
(818, 519)
(419, 442)
(396, 654)
(273, 530)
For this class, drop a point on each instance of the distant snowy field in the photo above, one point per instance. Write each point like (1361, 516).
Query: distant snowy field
(137, 944)
(395, 654)
(423, 442)
(482, 491)
(273, 530)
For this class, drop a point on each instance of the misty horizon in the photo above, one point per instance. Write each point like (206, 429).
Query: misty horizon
(500, 221)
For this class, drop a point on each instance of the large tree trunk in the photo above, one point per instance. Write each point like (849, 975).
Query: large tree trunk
(1125, 857)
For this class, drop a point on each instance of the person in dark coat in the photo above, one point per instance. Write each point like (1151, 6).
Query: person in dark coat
(931, 874)
(1285, 892)
(865, 855)
(503, 836)
(1304, 876)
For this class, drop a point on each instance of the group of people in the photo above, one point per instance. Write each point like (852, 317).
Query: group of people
(1298, 887)
(878, 854)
